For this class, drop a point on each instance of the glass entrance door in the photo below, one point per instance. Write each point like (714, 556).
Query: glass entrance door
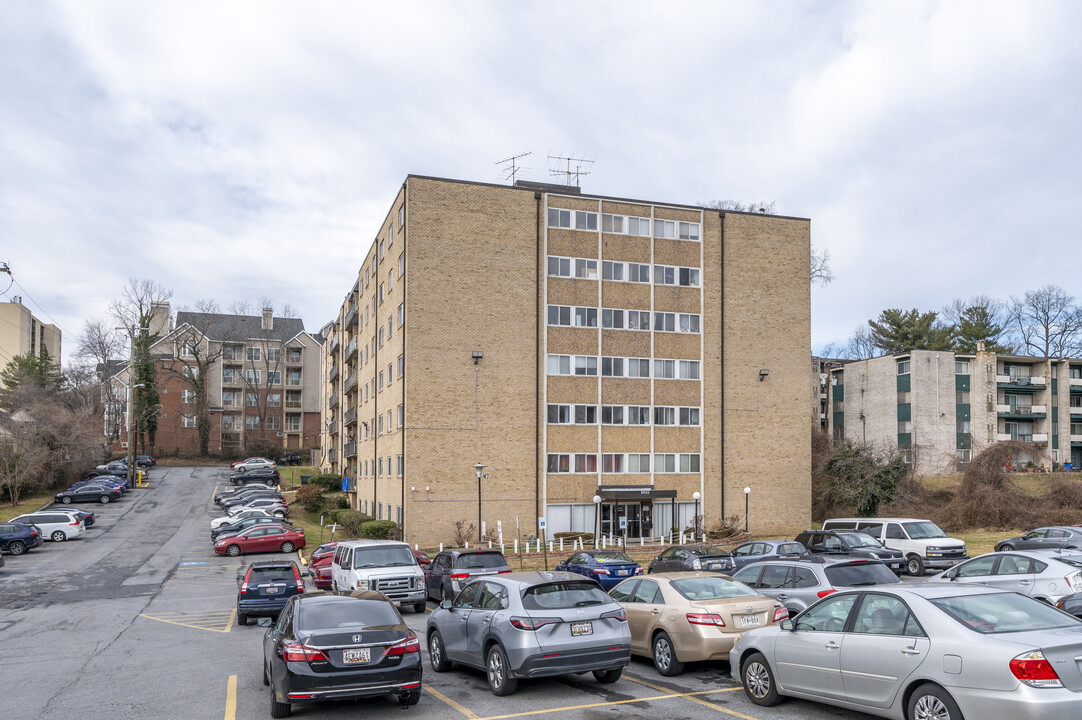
(611, 512)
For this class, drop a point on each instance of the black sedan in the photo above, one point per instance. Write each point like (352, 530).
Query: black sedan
(263, 474)
(334, 646)
(1046, 538)
(219, 498)
(234, 528)
(692, 557)
(88, 493)
(1071, 604)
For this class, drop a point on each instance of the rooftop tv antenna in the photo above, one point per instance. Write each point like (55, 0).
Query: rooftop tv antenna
(510, 167)
(567, 172)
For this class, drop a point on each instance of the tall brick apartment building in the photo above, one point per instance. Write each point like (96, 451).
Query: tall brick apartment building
(263, 380)
(575, 345)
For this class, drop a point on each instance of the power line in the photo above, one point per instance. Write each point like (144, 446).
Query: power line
(43, 312)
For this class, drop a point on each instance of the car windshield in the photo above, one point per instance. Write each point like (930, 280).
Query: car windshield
(605, 558)
(923, 530)
(358, 613)
(480, 560)
(859, 540)
(271, 574)
(1003, 613)
(711, 588)
(383, 556)
(561, 595)
(707, 550)
(857, 574)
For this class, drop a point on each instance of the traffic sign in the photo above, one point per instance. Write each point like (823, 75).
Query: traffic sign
(540, 523)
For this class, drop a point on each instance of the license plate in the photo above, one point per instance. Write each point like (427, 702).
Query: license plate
(749, 621)
(582, 628)
(622, 572)
(357, 655)
(273, 589)
(714, 566)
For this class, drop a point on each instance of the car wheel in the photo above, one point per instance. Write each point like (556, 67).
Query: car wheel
(58, 536)
(242, 619)
(420, 607)
(914, 565)
(232, 550)
(411, 698)
(665, 656)
(66, 500)
(104, 499)
(608, 676)
(279, 710)
(931, 702)
(759, 681)
(266, 679)
(1006, 548)
(499, 673)
(287, 547)
(437, 657)
(17, 547)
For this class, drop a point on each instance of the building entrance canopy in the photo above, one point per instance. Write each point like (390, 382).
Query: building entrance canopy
(634, 492)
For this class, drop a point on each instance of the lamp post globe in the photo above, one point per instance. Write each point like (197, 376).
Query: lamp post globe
(597, 520)
(695, 521)
(479, 468)
(747, 494)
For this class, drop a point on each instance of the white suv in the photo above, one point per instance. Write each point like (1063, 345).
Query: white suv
(386, 566)
(55, 525)
(921, 541)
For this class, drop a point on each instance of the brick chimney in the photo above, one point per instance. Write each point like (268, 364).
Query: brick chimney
(268, 318)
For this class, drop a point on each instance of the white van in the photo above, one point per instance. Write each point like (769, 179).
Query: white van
(386, 566)
(924, 545)
(55, 525)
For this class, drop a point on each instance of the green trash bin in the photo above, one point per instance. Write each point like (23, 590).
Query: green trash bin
(305, 479)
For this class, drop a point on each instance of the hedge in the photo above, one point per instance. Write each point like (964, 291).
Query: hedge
(351, 521)
(310, 498)
(377, 529)
(329, 482)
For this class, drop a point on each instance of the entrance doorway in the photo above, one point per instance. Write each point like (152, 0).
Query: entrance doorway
(638, 516)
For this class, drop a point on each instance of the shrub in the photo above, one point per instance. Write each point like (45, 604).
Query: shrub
(352, 521)
(262, 447)
(341, 502)
(329, 482)
(310, 498)
(378, 529)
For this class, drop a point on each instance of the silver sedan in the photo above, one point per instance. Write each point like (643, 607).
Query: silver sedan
(921, 652)
(1046, 575)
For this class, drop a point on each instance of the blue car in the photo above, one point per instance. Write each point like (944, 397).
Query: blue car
(757, 550)
(607, 567)
(264, 587)
(17, 538)
(102, 480)
(88, 517)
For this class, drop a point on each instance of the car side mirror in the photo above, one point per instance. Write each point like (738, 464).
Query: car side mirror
(445, 605)
(306, 573)
(787, 625)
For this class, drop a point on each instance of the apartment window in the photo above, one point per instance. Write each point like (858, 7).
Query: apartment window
(664, 229)
(382, 249)
(401, 365)
(638, 463)
(558, 463)
(664, 463)
(585, 220)
(612, 463)
(401, 315)
(380, 470)
(379, 424)
(390, 374)
(638, 272)
(230, 422)
(586, 269)
(961, 367)
(1076, 428)
(401, 415)
(903, 367)
(390, 421)
(962, 428)
(558, 218)
(293, 377)
(966, 454)
(585, 365)
(585, 317)
(638, 415)
(586, 414)
(664, 275)
(638, 226)
(664, 322)
(274, 423)
(253, 376)
(664, 416)
(687, 323)
(398, 471)
(251, 422)
(380, 379)
(187, 397)
(1074, 372)
(612, 224)
(689, 416)
(559, 266)
(227, 398)
(559, 364)
(961, 397)
(401, 265)
(254, 354)
(187, 421)
(638, 319)
(638, 367)
(560, 315)
(390, 280)
(232, 352)
(381, 337)
(665, 369)
(274, 399)
(688, 462)
(294, 355)
(381, 293)
(612, 270)
(274, 377)
(689, 231)
(905, 426)
(229, 376)
(612, 367)
(612, 414)
(585, 462)
(402, 218)
(904, 397)
(251, 400)
(274, 355)
(613, 319)
(688, 370)
(187, 349)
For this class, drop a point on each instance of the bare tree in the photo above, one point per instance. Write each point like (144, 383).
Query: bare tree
(241, 307)
(194, 356)
(21, 459)
(264, 380)
(103, 345)
(1047, 322)
(821, 274)
(861, 345)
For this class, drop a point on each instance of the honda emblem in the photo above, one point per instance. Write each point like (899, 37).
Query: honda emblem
(357, 638)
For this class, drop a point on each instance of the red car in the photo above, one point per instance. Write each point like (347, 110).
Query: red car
(320, 565)
(266, 538)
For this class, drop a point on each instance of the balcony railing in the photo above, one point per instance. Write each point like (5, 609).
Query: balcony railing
(1021, 409)
(294, 359)
(333, 373)
(350, 417)
(1021, 381)
(333, 430)
(351, 316)
(350, 450)
(332, 455)
(294, 381)
(1076, 410)
(1003, 437)
(334, 344)
(334, 400)
(350, 383)
(293, 404)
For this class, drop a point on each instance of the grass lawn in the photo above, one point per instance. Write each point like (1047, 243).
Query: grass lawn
(979, 542)
(27, 503)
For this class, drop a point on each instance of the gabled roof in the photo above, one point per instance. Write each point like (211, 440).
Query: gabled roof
(219, 326)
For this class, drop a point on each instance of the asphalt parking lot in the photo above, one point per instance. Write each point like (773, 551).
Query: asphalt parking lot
(137, 619)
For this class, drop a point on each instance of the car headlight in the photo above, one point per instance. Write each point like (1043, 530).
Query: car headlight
(362, 584)
(934, 548)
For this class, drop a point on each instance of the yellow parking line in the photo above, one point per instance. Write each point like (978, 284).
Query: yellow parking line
(303, 561)
(452, 703)
(610, 703)
(231, 698)
(700, 701)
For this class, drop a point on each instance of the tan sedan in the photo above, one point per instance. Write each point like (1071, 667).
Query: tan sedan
(682, 617)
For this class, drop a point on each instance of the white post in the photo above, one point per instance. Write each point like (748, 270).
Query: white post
(561, 544)
(550, 546)
(502, 549)
(441, 547)
(489, 544)
(467, 544)
(681, 538)
(415, 546)
(516, 546)
(642, 543)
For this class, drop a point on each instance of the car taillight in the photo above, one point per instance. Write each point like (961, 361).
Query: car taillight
(297, 576)
(75, 523)
(1074, 581)
(409, 645)
(824, 593)
(244, 585)
(705, 619)
(780, 614)
(602, 571)
(696, 564)
(501, 572)
(1033, 669)
(638, 571)
(459, 576)
(295, 652)
(619, 614)
(526, 623)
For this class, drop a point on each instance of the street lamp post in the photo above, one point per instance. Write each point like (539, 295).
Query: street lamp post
(131, 376)
(597, 520)
(695, 520)
(747, 494)
(128, 413)
(479, 469)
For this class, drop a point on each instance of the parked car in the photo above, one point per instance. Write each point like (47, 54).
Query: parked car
(252, 462)
(272, 538)
(1045, 538)
(107, 480)
(1041, 574)
(852, 543)
(91, 492)
(55, 525)
(266, 474)
(919, 651)
(423, 560)
(801, 582)
(692, 557)
(237, 517)
(384, 565)
(241, 525)
(1071, 604)
(607, 568)
(247, 493)
(335, 647)
(264, 587)
(530, 624)
(143, 461)
(751, 552)
(923, 543)
(272, 505)
(452, 570)
(682, 617)
(88, 517)
(290, 458)
(319, 564)
(17, 538)
(221, 497)
(120, 480)
(116, 467)
(248, 499)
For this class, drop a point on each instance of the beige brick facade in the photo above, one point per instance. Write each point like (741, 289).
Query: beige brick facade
(477, 280)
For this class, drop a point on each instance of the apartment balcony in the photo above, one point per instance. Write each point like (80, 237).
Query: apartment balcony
(294, 381)
(350, 382)
(294, 360)
(350, 450)
(334, 400)
(351, 316)
(332, 455)
(351, 349)
(1040, 437)
(1076, 385)
(333, 373)
(1076, 410)
(1004, 437)
(350, 417)
(334, 343)
(1022, 411)
(333, 429)
(293, 405)
(1020, 384)
(1076, 439)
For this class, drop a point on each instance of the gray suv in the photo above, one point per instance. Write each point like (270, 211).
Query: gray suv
(797, 584)
(1046, 575)
(531, 624)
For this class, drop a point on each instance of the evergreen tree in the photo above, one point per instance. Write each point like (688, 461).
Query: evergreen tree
(897, 331)
(976, 324)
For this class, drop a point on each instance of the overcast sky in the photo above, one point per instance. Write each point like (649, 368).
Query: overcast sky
(247, 150)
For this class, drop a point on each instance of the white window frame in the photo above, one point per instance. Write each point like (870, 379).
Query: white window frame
(253, 353)
(187, 421)
(559, 218)
(665, 229)
(564, 266)
(638, 463)
(558, 364)
(563, 412)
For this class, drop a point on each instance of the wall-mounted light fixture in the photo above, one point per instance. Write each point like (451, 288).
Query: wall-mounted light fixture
(762, 374)
(477, 355)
